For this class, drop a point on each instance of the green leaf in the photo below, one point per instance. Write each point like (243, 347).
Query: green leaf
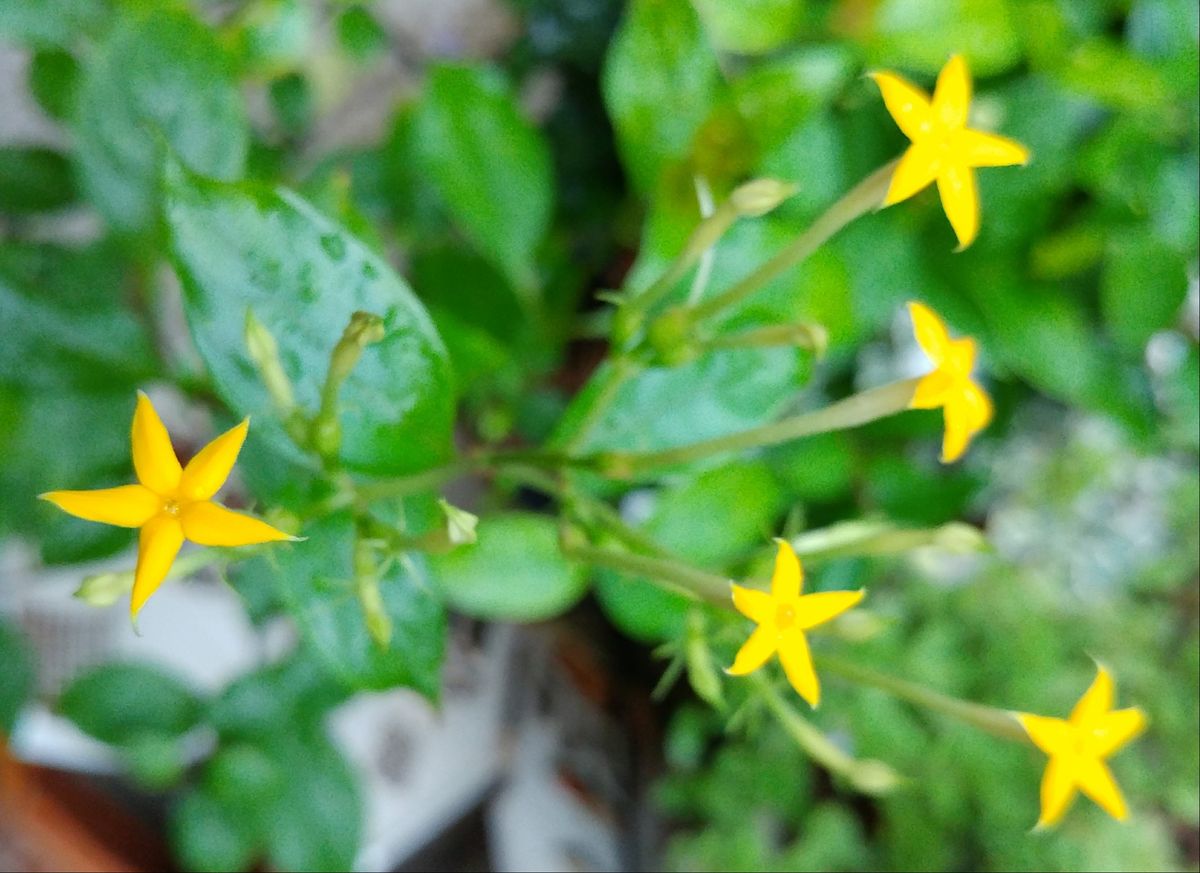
(274, 36)
(778, 96)
(819, 468)
(42, 450)
(292, 798)
(315, 823)
(751, 27)
(360, 34)
(158, 78)
(913, 33)
(489, 165)
(54, 81)
(74, 330)
(514, 572)
(17, 677)
(719, 393)
(661, 80)
(314, 582)
(1144, 285)
(295, 694)
(155, 761)
(119, 703)
(292, 100)
(50, 22)
(34, 180)
(240, 248)
(208, 837)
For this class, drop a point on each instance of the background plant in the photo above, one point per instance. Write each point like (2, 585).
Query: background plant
(509, 228)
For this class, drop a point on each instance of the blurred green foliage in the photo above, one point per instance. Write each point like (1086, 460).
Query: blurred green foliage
(481, 225)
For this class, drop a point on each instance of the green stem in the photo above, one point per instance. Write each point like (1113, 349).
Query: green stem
(403, 486)
(683, 578)
(868, 776)
(853, 411)
(862, 198)
(706, 235)
(813, 337)
(995, 721)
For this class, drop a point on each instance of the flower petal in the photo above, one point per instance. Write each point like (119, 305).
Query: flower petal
(1096, 781)
(929, 330)
(1114, 729)
(974, 148)
(788, 578)
(208, 524)
(908, 104)
(952, 94)
(125, 506)
(754, 652)
(158, 545)
(153, 458)
(932, 390)
(960, 356)
(960, 202)
(207, 471)
(960, 415)
(815, 609)
(1058, 790)
(758, 606)
(1054, 736)
(918, 167)
(966, 411)
(798, 665)
(1096, 701)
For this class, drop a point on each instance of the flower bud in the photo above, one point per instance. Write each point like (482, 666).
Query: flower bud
(760, 196)
(104, 589)
(460, 524)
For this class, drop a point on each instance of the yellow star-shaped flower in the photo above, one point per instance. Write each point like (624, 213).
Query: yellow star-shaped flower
(170, 503)
(943, 147)
(782, 617)
(966, 408)
(1077, 747)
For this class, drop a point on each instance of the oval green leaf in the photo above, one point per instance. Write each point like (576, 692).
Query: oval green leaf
(242, 248)
(119, 703)
(158, 77)
(490, 166)
(514, 572)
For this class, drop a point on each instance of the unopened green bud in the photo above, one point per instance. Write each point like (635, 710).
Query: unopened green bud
(858, 625)
(364, 329)
(670, 338)
(570, 537)
(105, 589)
(366, 583)
(871, 776)
(460, 524)
(960, 538)
(326, 436)
(760, 196)
(264, 352)
(627, 318)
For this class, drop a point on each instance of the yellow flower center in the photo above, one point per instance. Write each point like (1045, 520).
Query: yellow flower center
(171, 507)
(785, 616)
